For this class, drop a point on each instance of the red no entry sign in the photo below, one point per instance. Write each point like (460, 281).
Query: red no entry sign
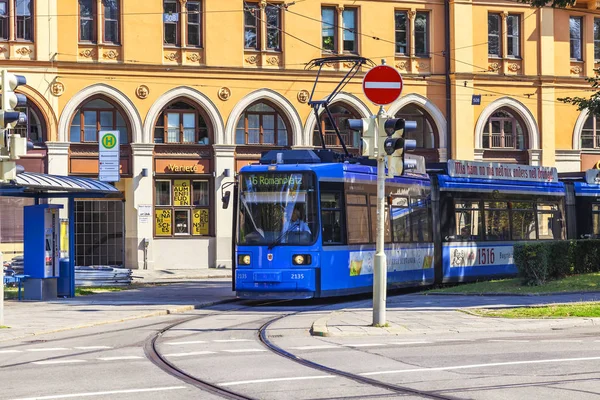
(382, 85)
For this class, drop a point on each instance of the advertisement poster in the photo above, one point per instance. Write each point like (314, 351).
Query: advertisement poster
(400, 259)
(144, 213)
(163, 222)
(479, 256)
(181, 192)
(494, 170)
(200, 222)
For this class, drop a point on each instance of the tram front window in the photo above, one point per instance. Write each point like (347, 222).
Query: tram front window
(277, 208)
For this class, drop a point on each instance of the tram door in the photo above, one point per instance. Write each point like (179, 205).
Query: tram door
(99, 233)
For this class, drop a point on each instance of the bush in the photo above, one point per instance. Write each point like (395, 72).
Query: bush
(560, 258)
(531, 260)
(586, 256)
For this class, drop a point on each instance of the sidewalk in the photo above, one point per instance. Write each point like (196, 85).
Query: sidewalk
(422, 314)
(30, 318)
(175, 275)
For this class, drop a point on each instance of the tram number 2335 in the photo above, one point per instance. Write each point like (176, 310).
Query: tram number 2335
(485, 256)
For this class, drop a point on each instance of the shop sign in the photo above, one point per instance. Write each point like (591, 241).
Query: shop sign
(200, 222)
(493, 170)
(592, 176)
(163, 222)
(181, 193)
(182, 168)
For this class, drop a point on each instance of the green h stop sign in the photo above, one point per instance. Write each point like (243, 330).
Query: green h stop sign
(109, 141)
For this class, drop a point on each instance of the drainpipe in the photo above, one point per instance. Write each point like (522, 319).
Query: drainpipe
(448, 82)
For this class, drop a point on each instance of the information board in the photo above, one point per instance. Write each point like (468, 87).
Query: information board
(109, 166)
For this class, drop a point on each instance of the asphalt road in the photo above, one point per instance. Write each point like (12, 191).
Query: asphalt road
(220, 345)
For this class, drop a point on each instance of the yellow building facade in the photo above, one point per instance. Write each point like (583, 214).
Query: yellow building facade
(199, 88)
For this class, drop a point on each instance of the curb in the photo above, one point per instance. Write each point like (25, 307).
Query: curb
(319, 327)
(158, 313)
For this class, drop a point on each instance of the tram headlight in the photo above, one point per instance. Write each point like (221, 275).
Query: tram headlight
(243, 259)
(301, 259)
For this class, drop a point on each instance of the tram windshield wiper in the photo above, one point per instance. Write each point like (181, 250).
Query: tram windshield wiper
(280, 237)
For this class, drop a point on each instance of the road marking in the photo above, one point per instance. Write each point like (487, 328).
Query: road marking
(49, 349)
(190, 342)
(556, 360)
(244, 350)
(327, 346)
(50, 362)
(89, 394)
(561, 341)
(93, 347)
(365, 345)
(453, 340)
(9, 351)
(406, 343)
(295, 378)
(193, 353)
(119, 358)
(232, 340)
(508, 340)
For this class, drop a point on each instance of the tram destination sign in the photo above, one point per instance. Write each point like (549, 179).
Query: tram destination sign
(493, 170)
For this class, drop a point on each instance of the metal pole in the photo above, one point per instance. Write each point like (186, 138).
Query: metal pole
(380, 272)
(2, 291)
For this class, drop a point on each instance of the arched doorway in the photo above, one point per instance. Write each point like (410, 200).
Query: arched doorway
(505, 138)
(340, 113)
(425, 135)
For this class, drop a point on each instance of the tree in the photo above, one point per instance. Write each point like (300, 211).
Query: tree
(593, 102)
(549, 3)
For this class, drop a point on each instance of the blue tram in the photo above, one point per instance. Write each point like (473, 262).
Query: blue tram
(306, 224)
(583, 204)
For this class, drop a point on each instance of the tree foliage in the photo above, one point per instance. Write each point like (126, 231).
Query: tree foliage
(551, 3)
(584, 103)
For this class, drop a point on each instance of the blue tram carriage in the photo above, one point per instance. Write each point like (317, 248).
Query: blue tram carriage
(583, 204)
(483, 208)
(331, 251)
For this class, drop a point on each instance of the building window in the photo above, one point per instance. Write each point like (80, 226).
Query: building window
(181, 123)
(401, 19)
(512, 36)
(4, 20)
(576, 35)
(111, 21)
(503, 131)
(87, 21)
(424, 133)
(251, 23)
(94, 116)
(340, 114)
(261, 124)
(273, 14)
(33, 129)
(328, 29)
(349, 21)
(590, 134)
(182, 207)
(597, 38)
(24, 20)
(171, 22)
(494, 35)
(254, 24)
(421, 29)
(194, 28)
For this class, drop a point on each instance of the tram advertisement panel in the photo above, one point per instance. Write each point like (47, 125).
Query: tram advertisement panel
(362, 262)
(474, 255)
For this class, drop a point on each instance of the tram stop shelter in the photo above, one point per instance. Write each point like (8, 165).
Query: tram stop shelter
(42, 187)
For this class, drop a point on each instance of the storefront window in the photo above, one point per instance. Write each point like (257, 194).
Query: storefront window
(181, 122)
(182, 207)
(94, 116)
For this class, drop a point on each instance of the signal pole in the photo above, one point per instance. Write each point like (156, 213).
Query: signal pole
(380, 270)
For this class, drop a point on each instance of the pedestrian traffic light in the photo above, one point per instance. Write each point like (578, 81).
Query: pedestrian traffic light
(395, 145)
(366, 127)
(9, 118)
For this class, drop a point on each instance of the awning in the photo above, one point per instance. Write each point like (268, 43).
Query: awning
(34, 182)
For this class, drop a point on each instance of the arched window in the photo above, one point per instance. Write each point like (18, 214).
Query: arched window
(504, 130)
(262, 124)
(181, 122)
(590, 133)
(35, 127)
(424, 134)
(340, 114)
(97, 115)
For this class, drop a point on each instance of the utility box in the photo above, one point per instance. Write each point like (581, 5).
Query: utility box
(41, 251)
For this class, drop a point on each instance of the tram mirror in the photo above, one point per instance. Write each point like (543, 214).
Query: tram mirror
(225, 199)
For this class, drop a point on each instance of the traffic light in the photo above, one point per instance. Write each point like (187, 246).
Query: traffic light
(366, 126)
(395, 145)
(9, 118)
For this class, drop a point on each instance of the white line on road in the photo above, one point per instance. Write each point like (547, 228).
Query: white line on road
(193, 353)
(453, 340)
(89, 394)
(9, 351)
(190, 342)
(407, 343)
(556, 360)
(382, 85)
(560, 341)
(49, 349)
(316, 347)
(50, 362)
(119, 358)
(295, 378)
(508, 341)
(244, 350)
(93, 347)
(231, 340)
(365, 345)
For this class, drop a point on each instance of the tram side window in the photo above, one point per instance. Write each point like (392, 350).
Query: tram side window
(386, 227)
(331, 217)
(596, 220)
(549, 222)
(357, 218)
(523, 221)
(420, 220)
(468, 220)
(496, 220)
(400, 219)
